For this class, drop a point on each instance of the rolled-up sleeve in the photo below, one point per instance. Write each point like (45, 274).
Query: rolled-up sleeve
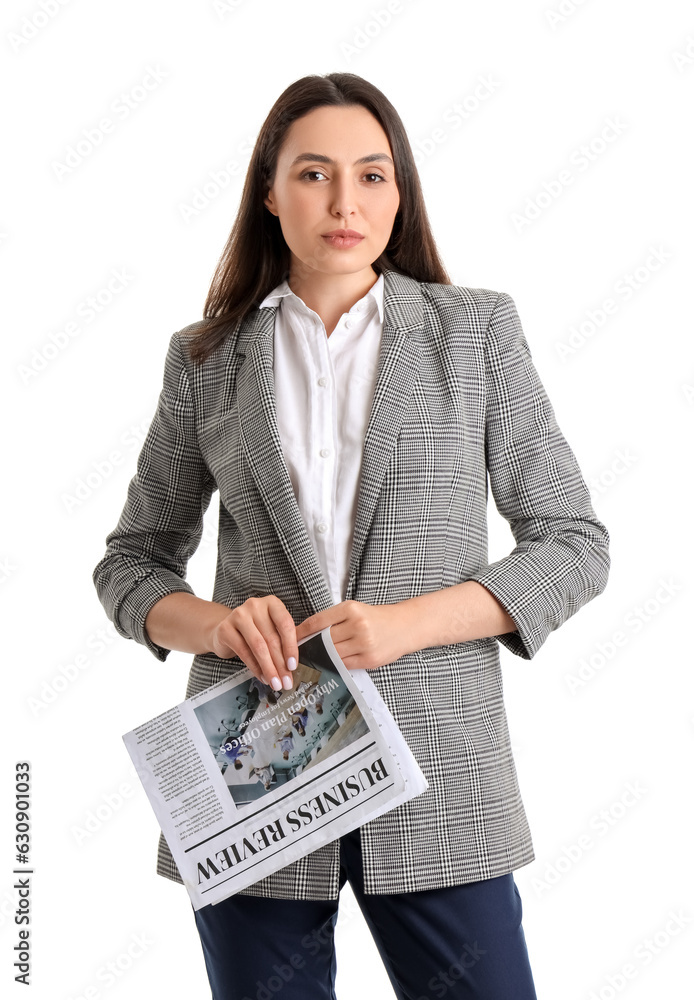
(561, 559)
(161, 524)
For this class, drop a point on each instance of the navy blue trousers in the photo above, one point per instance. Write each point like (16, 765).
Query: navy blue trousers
(462, 942)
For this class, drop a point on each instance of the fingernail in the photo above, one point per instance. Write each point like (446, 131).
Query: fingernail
(276, 683)
(291, 663)
(287, 682)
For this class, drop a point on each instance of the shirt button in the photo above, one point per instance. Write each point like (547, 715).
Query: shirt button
(322, 527)
(324, 452)
(348, 324)
(322, 380)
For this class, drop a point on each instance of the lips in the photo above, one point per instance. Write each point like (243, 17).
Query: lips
(345, 232)
(342, 239)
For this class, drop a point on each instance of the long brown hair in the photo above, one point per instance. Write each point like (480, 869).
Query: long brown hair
(256, 256)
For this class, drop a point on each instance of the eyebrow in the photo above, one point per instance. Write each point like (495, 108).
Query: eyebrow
(321, 158)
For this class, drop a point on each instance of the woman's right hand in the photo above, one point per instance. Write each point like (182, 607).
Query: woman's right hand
(261, 632)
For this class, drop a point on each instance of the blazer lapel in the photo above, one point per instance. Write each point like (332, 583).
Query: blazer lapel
(398, 365)
(262, 446)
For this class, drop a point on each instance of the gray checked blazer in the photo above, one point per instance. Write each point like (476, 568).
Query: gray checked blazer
(458, 404)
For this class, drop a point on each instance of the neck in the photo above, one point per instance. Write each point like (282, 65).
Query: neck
(331, 294)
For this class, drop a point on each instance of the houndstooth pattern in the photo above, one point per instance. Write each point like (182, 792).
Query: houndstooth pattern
(458, 405)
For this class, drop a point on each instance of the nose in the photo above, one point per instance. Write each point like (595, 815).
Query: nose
(342, 198)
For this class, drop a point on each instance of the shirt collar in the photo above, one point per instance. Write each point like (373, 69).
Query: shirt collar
(283, 291)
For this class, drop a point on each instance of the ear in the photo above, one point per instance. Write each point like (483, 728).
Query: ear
(269, 202)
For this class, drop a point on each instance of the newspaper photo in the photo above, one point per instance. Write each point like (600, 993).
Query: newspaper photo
(244, 780)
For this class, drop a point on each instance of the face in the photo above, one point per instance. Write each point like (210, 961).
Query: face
(321, 186)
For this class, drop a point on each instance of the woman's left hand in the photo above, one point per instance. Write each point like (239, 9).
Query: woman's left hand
(365, 635)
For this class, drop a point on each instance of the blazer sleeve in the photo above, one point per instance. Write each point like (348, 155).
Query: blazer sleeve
(561, 559)
(161, 524)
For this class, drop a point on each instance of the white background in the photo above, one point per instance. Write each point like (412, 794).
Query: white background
(616, 739)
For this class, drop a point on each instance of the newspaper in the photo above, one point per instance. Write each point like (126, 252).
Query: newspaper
(244, 780)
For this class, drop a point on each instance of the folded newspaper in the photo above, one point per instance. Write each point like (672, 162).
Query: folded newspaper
(244, 780)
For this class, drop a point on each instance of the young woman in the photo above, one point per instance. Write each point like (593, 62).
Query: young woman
(350, 405)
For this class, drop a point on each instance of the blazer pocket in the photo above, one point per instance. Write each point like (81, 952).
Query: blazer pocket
(461, 685)
(457, 648)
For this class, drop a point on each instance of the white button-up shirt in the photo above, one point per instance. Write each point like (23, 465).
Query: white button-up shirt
(324, 388)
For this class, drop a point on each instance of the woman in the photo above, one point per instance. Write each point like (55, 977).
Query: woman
(349, 403)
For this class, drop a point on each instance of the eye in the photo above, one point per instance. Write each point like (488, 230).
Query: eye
(319, 173)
